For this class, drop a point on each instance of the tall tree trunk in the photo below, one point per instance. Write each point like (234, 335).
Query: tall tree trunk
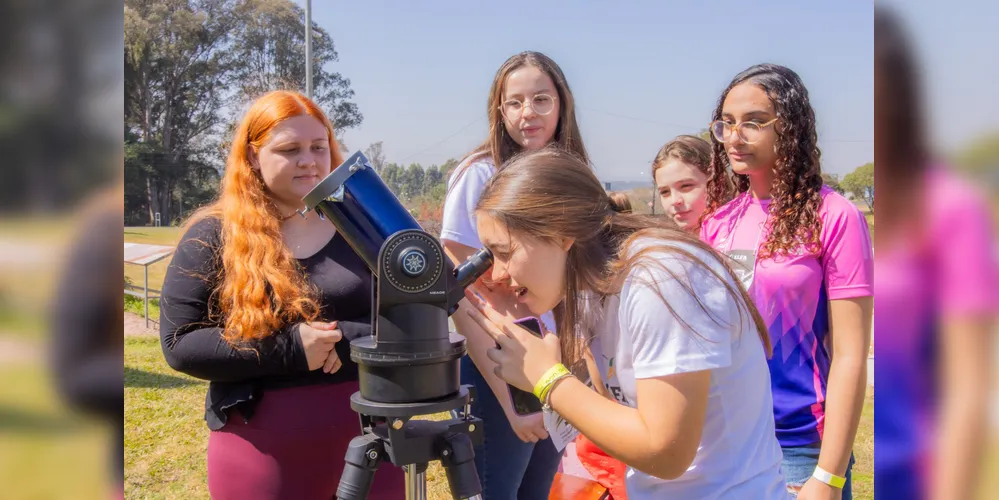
(153, 199)
(147, 101)
(164, 203)
(168, 121)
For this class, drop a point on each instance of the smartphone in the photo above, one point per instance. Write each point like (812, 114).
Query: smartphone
(526, 403)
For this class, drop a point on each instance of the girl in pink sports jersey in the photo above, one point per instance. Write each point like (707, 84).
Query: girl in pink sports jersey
(804, 254)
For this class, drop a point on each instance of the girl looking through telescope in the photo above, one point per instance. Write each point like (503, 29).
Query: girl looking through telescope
(678, 341)
(530, 106)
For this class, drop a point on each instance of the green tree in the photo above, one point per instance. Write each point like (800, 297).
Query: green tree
(189, 64)
(270, 44)
(832, 180)
(390, 174)
(375, 155)
(705, 134)
(414, 181)
(431, 179)
(179, 71)
(980, 155)
(447, 169)
(860, 183)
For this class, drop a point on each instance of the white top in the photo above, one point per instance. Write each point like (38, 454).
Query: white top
(637, 337)
(458, 224)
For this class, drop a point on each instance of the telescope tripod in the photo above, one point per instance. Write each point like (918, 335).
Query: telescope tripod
(389, 433)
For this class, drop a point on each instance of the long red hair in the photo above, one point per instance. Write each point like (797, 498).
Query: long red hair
(260, 287)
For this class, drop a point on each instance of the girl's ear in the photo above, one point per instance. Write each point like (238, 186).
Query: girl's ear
(252, 157)
(567, 244)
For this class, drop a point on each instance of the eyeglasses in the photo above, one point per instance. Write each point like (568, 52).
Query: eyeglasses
(749, 132)
(542, 104)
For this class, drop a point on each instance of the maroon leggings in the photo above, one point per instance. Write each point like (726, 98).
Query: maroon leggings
(293, 447)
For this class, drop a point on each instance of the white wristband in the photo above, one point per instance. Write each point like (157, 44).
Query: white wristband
(829, 478)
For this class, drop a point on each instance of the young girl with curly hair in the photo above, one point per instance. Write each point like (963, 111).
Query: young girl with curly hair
(804, 254)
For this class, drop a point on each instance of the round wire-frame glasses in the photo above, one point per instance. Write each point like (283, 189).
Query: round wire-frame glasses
(749, 132)
(541, 104)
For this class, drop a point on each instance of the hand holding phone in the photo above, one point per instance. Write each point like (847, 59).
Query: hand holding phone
(526, 403)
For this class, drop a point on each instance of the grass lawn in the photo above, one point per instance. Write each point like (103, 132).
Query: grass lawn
(863, 450)
(45, 451)
(166, 437)
(153, 236)
(165, 434)
(29, 271)
(47, 230)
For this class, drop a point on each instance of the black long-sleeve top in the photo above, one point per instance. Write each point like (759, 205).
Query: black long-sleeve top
(86, 349)
(193, 344)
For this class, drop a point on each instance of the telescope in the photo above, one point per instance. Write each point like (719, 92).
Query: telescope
(410, 365)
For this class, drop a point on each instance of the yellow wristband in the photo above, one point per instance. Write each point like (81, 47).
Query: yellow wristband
(547, 390)
(829, 478)
(548, 378)
(547, 393)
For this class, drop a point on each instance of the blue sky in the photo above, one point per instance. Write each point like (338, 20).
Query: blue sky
(956, 44)
(641, 72)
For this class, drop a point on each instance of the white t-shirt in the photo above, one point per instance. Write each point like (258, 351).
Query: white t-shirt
(637, 337)
(458, 224)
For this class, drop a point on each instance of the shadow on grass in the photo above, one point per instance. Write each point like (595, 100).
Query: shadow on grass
(23, 421)
(144, 379)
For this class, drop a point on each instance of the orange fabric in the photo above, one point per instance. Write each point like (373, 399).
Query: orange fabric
(566, 487)
(607, 471)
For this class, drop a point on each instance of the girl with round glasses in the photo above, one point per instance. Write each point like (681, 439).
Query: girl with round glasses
(804, 254)
(530, 106)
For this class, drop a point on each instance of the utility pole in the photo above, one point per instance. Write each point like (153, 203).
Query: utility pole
(308, 48)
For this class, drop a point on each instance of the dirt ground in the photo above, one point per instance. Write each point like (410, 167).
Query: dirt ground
(136, 325)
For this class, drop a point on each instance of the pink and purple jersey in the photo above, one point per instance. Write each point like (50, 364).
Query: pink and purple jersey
(792, 294)
(947, 268)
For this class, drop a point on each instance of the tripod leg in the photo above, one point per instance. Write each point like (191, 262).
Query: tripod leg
(360, 463)
(416, 482)
(458, 459)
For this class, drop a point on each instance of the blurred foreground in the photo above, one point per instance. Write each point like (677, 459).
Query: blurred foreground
(61, 143)
(937, 254)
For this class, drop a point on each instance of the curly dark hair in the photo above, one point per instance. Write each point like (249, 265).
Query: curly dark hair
(796, 192)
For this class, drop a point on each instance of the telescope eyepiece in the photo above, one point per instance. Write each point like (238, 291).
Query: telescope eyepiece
(473, 267)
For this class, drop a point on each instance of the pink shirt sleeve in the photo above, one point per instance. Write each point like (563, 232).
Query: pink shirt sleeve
(847, 253)
(706, 234)
(966, 254)
(709, 230)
